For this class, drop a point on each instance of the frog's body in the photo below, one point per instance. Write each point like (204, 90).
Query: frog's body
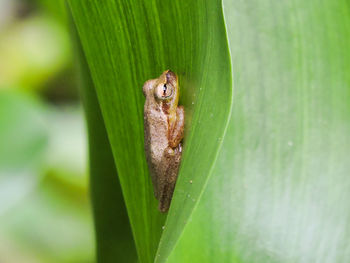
(163, 127)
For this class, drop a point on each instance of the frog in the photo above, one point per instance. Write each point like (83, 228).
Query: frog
(164, 122)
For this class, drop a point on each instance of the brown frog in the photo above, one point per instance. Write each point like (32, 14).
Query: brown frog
(164, 124)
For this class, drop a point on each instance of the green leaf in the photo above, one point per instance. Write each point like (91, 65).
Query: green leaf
(112, 229)
(280, 188)
(127, 43)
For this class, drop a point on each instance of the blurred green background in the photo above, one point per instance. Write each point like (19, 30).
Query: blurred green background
(44, 201)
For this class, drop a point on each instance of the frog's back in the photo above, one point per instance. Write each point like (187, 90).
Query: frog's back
(156, 133)
(156, 142)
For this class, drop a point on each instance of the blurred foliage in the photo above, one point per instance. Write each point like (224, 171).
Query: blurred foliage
(44, 205)
(26, 62)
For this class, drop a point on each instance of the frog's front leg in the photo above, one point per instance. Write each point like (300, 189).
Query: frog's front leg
(176, 132)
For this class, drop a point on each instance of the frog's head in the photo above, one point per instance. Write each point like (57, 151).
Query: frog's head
(163, 89)
(166, 88)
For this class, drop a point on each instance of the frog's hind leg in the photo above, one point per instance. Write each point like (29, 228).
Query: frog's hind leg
(171, 175)
(164, 201)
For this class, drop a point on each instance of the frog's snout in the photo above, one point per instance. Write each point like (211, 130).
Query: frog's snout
(170, 77)
(147, 87)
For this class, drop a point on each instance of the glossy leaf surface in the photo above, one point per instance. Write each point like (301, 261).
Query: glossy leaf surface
(127, 43)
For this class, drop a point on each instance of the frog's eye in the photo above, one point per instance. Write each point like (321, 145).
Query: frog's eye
(164, 92)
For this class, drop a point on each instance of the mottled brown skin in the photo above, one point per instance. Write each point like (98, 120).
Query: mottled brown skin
(163, 126)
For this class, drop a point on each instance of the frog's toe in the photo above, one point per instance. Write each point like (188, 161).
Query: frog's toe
(170, 151)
